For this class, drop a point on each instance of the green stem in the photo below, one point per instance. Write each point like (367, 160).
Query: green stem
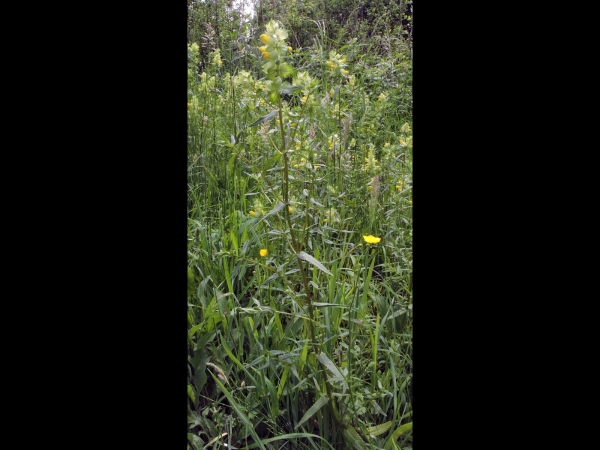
(296, 248)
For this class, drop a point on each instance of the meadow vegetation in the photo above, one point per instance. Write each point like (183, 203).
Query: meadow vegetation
(299, 232)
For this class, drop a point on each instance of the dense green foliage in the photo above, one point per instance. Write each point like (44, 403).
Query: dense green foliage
(300, 226)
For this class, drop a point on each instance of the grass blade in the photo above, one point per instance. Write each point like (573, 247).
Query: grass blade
(396, 434)
(313, 409)
(239, 412)
(312, 260)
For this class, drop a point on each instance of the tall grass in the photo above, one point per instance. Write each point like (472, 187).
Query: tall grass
(300, 249)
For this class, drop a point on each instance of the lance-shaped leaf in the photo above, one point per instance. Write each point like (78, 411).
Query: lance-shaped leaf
(379, 429)
(268, 116)
(389, 444)
(353, 437)
(313, 409)
(278, 207)
(312, 260)
(337, 375)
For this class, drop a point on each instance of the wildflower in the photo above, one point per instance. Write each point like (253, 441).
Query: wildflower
(370, 239)
(265, 38)
(290, 48)
(252, 213)
(275, 29)
(263, 48)
(410, 202)
(345, 72)
(266, 55)
(382, 97)
(263, 252)
(290, 209)
(331, 216)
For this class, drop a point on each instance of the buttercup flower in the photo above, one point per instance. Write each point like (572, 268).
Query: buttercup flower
(370, 239)
(263, 252)
(252, 213)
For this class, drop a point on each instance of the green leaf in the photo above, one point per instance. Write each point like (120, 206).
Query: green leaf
(278, 207)
(191, 393)
(271, 278)
(396, 434)
(240, 412)
(196, 440)
(303, 356)
(379, 429)
(306, 257)
(313, 409)
(332, 305)
(287, 88)
(285, 70)
(351, 435)
(194, 329)
(273, 96)
(324, 359)
(268, 116)
(286, 437)
(268, 66)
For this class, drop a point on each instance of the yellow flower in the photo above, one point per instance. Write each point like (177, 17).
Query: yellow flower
(263, 252)
(252, 213)
(346, 72)
(290, 209)
(290, 48)
(410, 202)
(263, 48)
(370, 239)
(266, 55)
(265, 38)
